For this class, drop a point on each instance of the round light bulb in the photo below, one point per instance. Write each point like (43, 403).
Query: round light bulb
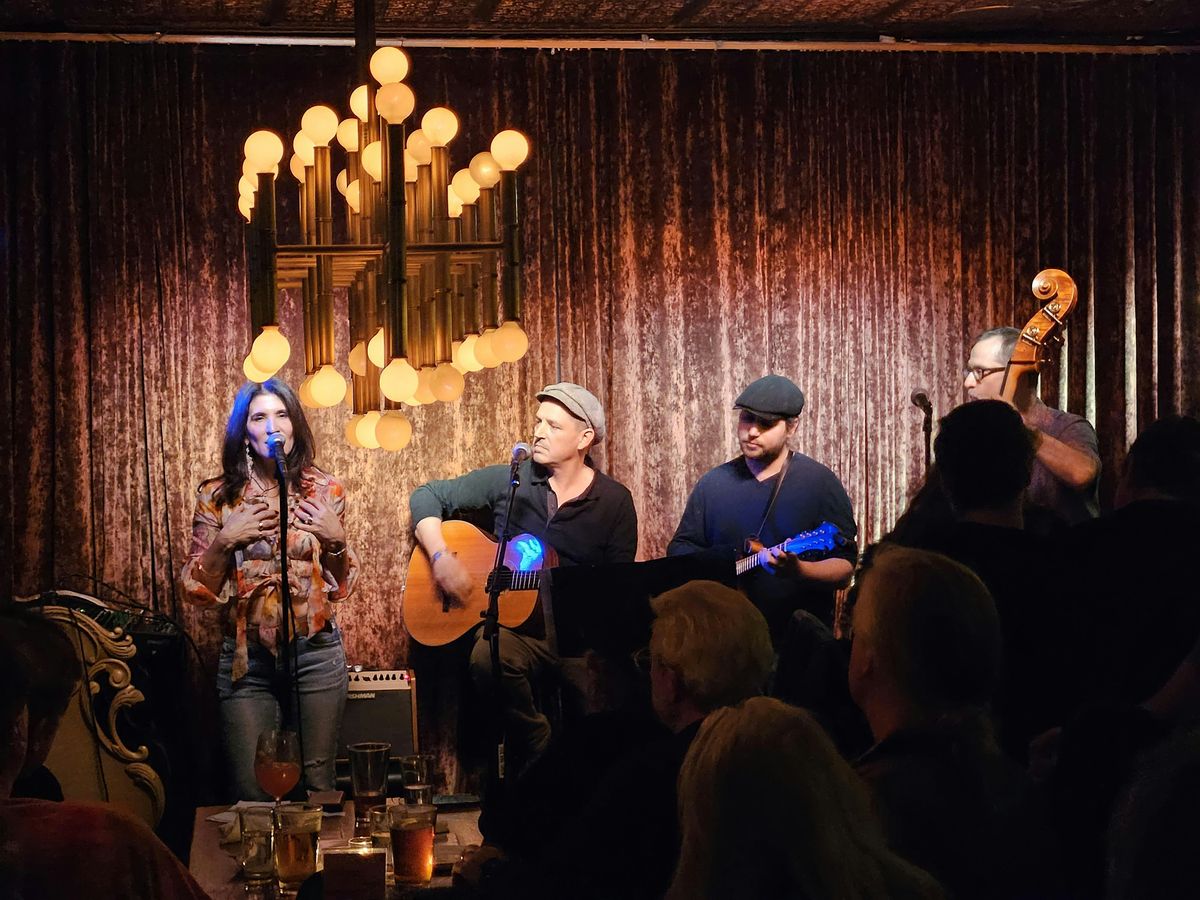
(395, 102)
(510, 148)
(372, 159)
(510, 342)
(418, 146)
(264, 149)
(440, 125)
(297, 167)
(303, 146)
(320, 123)
(358, 103)
(246, 187)
(393, 430)
(328, 386)
(389, 65)
(375, 349)
(448, 383)
(398, 380)
(424, 392)
(271, 349)
(252, 173)
(246, 206)
(464, 186)
(358, 359)
(454, 203)
(354, 195)
(340, 182)
(410, 167)
(455, 360)
(483, 350)
(485, 171)
(347, 135)
(466, 354)
(351, 431)
(365, 430)
(252, 372)
(305, 393)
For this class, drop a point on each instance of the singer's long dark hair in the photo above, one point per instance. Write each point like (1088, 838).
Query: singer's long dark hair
(235, 464)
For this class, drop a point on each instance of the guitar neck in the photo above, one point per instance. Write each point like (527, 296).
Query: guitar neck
(754, 560)
(523, 581)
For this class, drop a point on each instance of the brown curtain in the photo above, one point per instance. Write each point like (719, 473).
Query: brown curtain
(693, 220)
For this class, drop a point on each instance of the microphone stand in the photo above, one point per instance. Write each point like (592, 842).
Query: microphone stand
(927, 428)
(491, 623)
(291, 653)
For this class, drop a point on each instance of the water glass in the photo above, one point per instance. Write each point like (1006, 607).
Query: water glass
(381, 834)
(417, 772)
(297, 832)
(255, 858)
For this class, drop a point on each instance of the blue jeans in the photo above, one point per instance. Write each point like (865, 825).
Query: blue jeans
(253, 705)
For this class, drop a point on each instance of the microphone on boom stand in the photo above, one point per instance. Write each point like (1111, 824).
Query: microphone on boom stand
(920, 399)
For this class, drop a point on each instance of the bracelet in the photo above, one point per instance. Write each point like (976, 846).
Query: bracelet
(205, 572)
(337, 552)
(433, 559)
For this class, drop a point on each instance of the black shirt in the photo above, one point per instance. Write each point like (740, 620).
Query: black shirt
(596, 528)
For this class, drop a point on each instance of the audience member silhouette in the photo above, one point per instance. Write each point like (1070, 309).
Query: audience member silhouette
(54, 672)
(769, 809)
(709, 647)
(924, 663)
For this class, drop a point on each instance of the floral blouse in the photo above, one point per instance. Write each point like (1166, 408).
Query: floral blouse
(250, 591)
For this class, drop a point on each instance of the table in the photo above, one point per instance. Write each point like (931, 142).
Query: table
(215, 865)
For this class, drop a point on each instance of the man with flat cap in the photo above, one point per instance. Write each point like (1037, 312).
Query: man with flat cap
(771, 493)
(587, 517)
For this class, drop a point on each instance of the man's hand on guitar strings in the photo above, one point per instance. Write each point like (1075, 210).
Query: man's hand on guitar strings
(781, 564)
(452, 576)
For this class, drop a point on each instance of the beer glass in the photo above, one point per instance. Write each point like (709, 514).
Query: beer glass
(297, 831)
(412, 842)
(368, 779)
(381, 834)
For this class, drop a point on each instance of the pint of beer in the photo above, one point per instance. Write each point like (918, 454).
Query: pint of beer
(412, 842)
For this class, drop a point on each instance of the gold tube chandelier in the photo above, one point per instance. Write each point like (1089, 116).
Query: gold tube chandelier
(430, 260)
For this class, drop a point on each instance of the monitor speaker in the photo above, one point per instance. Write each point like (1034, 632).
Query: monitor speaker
(381, 706)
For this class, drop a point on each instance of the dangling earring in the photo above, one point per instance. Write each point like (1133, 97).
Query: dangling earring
(249, 458)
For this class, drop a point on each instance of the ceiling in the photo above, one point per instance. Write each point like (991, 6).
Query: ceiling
(1157, 21)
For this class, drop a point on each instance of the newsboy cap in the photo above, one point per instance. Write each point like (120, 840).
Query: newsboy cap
(579, 402)
(773, 396)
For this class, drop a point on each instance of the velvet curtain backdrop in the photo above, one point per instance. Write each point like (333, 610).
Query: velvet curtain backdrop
(693, 221)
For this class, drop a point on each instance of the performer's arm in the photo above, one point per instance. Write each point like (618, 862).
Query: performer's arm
(834, 572)
(436, 500)
(325, 520)
(623, 539)
(1075, 465)
(214, 541)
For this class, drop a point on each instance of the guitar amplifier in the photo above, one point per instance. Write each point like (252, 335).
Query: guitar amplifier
(381, 706)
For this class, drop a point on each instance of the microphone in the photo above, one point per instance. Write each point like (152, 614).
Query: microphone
(521, 451)
(275, 442)
(920, 399)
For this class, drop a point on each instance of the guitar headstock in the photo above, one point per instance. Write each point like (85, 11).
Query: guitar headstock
(825, 536)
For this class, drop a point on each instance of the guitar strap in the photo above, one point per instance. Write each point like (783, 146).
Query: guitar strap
(774, 496)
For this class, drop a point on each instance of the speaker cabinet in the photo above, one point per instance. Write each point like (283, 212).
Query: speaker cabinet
(381, 706)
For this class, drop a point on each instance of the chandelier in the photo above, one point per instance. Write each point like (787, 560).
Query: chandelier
(430, 260)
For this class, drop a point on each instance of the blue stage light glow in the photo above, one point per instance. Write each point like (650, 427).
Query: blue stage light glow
(531, 551)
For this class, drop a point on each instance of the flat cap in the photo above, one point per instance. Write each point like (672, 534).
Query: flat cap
(579, 402)
(771, 395)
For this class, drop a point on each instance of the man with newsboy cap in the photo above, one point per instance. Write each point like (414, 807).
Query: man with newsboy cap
(739, 500)
(587, 517)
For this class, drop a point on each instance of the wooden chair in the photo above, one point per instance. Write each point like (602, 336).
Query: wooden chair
(90, 756)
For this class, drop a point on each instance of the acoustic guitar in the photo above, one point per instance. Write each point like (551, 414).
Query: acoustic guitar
(434, 618)
(813, 544)
(1055, 289)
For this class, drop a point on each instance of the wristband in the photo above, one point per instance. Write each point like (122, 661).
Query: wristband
(433, 559)
(337, 552)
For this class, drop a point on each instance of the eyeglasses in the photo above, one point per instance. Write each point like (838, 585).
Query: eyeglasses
(981, 373)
